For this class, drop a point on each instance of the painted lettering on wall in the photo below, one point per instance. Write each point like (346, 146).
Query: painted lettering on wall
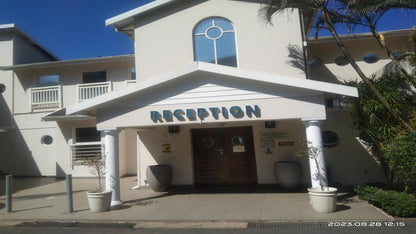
(217, 113)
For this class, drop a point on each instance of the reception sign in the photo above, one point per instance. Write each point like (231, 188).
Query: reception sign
(218, 113)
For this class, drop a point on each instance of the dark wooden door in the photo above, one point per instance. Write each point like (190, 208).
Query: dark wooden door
(224, 156)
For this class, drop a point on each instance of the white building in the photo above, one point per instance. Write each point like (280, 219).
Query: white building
(211, 90)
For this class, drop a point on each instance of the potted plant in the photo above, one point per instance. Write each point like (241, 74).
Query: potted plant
(99, 199)
(322, 198)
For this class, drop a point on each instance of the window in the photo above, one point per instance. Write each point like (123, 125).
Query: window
(341, 61)
(50, 80)
(214, 42)
(330, 139)
(94, 77)
(87, 135)
(314, 62)
(46, 140)
(87, 144)
(133, 73)
(2, 88)
(397, 54)
(370, 58)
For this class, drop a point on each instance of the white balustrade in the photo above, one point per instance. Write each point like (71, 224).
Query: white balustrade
(129, 82)
(92, 90)
(50, 97)
(45, 97)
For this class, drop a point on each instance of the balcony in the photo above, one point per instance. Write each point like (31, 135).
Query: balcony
(50, 97)
(46, 97)
(92, 90)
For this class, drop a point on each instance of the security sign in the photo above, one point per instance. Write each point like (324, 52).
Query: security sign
(166, 148)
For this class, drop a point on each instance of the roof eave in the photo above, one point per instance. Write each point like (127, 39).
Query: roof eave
(68, 62)
(357, 36)
(26, 36)
(125, 20)
(318, 86)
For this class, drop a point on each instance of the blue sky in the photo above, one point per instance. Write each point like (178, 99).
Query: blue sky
(76, 28)
(71, 28)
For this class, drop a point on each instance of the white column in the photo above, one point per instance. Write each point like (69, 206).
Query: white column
(112, 176)
(316, 154)
(139, 177)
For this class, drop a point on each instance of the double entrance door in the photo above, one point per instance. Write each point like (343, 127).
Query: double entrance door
(224, 156)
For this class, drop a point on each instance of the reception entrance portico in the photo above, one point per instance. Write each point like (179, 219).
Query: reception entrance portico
(219, 113)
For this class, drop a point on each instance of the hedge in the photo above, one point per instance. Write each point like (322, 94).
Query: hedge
(399, 204)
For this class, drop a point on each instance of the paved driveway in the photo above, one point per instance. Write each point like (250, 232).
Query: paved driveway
(45, 199)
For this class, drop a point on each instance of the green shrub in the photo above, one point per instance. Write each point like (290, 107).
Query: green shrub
(366, 192)
(400, 156)
(395, 203)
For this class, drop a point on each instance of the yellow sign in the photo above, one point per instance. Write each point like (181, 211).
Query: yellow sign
(166, 148)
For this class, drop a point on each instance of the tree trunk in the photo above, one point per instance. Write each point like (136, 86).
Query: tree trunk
(359, 71)
(376, 35)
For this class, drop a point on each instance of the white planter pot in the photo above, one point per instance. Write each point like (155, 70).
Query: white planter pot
(323, 201)
(99, 201)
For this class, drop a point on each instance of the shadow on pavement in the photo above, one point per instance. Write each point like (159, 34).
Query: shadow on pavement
(35, 208)
(43, 195)
(22, 183)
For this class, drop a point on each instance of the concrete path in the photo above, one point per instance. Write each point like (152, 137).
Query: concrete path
(45, 199)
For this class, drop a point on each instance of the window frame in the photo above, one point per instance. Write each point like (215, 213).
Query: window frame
(76, 140)
(214, 40)
(85, 149)
(51, 76)
(91, 72)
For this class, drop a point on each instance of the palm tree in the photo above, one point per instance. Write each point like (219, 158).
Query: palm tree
(382, 4)
(367, 13)
(272, 7)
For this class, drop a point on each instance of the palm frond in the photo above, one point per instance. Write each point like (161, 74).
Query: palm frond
(271, 7)
(365, 5)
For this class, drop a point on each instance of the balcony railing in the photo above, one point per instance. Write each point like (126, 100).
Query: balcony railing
(129, 82)
(82, 151)
(46, 97)
(92, 90)
(50, 97)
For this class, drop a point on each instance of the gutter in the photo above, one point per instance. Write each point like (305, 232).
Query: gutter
(68, 62)
(358, 36)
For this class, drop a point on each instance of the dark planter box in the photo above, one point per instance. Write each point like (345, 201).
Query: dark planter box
(159, 177)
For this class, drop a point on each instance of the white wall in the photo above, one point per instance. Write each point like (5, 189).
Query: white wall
(350, 163)
(30, 156)
(128, 152)
(6, 78)
(358, 47)
(25, 52)
(180, 157)
(164, 41)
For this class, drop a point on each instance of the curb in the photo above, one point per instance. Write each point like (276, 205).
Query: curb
(125, 224)
(238, 225)
(192, 225)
